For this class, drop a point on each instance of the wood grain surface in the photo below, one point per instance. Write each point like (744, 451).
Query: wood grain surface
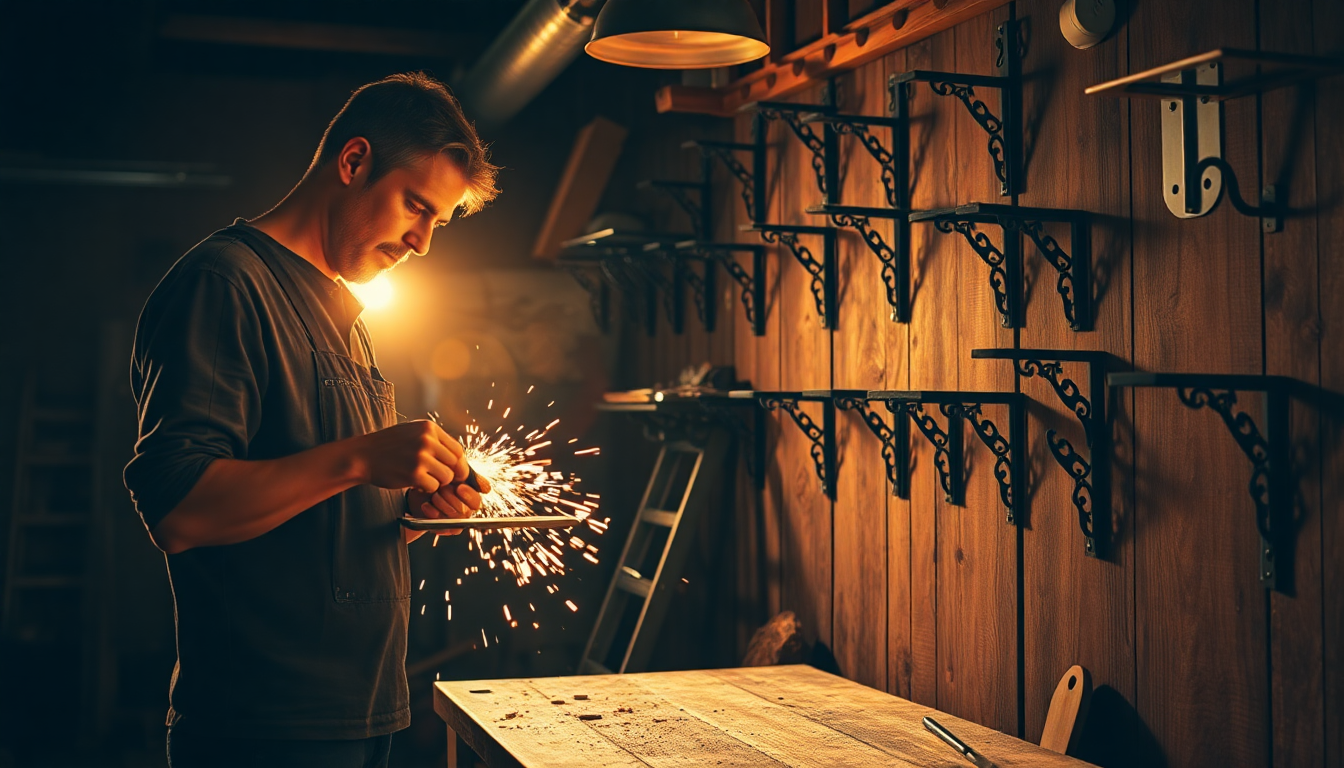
(762, 716)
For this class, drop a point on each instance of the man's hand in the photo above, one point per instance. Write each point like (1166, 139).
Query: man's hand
(417, 454)
(455, 501)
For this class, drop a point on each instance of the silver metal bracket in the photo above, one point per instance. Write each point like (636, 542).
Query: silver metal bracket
(1192, 131)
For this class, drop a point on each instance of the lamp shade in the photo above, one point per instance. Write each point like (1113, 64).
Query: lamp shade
(677, 34)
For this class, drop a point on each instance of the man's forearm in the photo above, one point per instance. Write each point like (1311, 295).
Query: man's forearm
(235, 501)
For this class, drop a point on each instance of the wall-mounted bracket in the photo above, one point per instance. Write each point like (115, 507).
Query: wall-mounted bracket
(893, 174)
(823, 283)
(747, 421)
(700, 208)
(1191, 92)
(1009, 452)
(823, 147)
(1091, 476)
(599, 293)
(673, 285)
(822, 437)
(1270, 484)
(1073, 282)
(623, 258)
(895, 258)
(1005, 270)
(895, 438)
(1005, 133)
(752, 179)
(751, 283)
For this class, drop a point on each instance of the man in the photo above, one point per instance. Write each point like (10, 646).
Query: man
(270, 466)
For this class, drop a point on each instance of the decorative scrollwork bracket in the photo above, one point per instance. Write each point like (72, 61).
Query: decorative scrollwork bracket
(1004, 129)
(822, 437)
(895, 438)
(751, 179)
(700, 208)
(752, 283)
(1270, 485)
(823, 272)
(960, 407)
(1092, 475)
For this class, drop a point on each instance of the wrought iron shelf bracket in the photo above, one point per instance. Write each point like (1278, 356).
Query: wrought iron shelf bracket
(823, 274)
(822, 437)
(752, 284)
(895, 437)
(824, 148)
(895, 258)
(752, 179)
(1073, 281)
(748, 423)
(1270, 485)
(1191, 92)
(1005, 129)
(1092, 475)
(1009, 452)
(625, 259)
(700, 208)
(894, 183)
(599, 293)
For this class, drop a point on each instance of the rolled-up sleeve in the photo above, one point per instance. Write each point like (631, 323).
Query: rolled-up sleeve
(198, 373)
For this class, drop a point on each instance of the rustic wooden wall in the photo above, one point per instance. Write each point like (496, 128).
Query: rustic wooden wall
(1195, 663)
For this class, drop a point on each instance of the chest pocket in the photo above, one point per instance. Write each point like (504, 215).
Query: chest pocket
(368, 555)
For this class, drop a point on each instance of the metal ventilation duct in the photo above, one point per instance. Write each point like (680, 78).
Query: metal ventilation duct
(537, 45)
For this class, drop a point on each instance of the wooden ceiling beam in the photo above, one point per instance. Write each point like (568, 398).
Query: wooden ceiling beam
(887, 29)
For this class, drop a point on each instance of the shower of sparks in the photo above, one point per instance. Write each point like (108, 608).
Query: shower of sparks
(524, 484)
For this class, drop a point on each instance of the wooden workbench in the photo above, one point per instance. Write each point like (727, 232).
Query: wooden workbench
(757, 716)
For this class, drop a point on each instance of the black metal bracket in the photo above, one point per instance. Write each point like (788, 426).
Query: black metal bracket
(823, 283)
(822, 437)
(599, 294)
(751, 179)
(895, 258)
(700, 210)
(1009, 454)
(673, 285)
(1005, 133)
(895, 438)
(1091, 476)
(748, 422)
(751, 283)
(792, 115)
(628, 261)
(1271, 481)
(1074, 270)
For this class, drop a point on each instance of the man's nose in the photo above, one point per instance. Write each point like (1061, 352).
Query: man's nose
(418, 240)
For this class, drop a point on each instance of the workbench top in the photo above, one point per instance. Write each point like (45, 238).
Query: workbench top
(757, 716)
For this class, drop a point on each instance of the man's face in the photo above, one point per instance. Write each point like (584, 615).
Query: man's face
(379, 225)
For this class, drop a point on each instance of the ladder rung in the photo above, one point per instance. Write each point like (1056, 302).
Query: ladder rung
(48, 582)
(590, 667)
(659, 517)
(632, 585)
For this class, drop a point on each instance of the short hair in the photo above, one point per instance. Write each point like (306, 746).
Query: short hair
(406, 117)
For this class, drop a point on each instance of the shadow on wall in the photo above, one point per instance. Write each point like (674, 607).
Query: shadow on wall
(1114, 735)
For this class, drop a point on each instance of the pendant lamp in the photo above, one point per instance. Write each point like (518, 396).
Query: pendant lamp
(677, 34)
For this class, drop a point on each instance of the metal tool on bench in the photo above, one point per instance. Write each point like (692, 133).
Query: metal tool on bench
(979, 760)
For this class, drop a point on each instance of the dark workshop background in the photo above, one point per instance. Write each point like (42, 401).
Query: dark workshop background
(947, 605)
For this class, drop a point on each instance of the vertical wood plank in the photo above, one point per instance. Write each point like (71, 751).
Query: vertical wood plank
(1201, 614)
(977, 570)
(934, 175)
(1292, 338)
(899, 583)
(1076, 609)
(805, 363)
(862, 344)
(1328, 26)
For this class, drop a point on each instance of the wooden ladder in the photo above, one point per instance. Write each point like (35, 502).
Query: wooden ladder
(655, 553)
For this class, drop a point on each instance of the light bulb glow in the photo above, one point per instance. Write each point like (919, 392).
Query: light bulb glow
(375, 294)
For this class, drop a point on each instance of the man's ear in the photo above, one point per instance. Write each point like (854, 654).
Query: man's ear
(355, 159)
